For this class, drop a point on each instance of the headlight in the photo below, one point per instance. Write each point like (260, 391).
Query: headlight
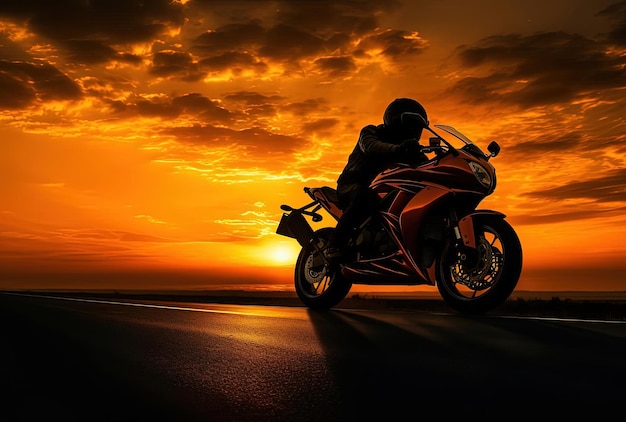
(481, 173)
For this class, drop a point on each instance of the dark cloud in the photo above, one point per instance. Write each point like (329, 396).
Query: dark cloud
(566, 142)
(94, 52)
(320, 126)
(280, 42)
(308, 106)
(105, 22)
(539, 69)
(323, 17)
(168, 63)
(285, 42)
(238, 37)
(579, 214)
(394, 43)
(617, 12)
(233, 61)
(95, 32)
(335, 66)
(24, 83)
(329, 17)
(231, 37)
(323, 32)
(14, 92)
(252, 98)
(608, 188)
(194, 104)
(256, 141)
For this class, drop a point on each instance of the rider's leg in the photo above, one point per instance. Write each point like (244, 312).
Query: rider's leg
(361, 202)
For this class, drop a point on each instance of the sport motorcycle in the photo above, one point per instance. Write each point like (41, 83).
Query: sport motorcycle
(427, 231)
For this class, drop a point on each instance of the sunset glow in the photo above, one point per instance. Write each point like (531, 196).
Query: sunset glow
(162, 137)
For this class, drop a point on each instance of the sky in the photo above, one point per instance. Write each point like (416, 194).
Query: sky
(150, 144)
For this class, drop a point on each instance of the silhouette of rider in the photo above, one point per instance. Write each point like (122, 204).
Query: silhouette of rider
(378, 147)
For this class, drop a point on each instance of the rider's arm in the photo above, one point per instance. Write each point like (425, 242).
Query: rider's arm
(370, 143)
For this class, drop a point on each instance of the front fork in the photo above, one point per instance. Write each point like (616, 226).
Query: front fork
(465, 234)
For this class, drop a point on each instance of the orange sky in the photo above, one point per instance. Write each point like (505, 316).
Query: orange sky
(150, 144)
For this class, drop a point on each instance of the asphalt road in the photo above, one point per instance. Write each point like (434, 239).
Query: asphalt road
(75, 359)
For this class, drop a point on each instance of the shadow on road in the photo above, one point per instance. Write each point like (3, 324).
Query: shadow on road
(389, 365)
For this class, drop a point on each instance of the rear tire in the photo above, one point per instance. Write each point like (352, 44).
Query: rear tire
(480, 285)
(319, 287)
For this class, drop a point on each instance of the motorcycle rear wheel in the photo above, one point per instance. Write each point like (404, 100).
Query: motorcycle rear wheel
(481, 284)
(319, 287)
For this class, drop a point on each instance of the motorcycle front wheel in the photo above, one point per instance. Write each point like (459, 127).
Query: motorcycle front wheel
(475, 282)
(319, 286)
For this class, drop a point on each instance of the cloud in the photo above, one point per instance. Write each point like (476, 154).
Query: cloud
(252, 97)
(617, 12)
(193, 104)
(539, 69)
(233, 61)
(205, 39)
(584, 214)
(74, 25)
(321, 36)
(323, 17)
(395, 44)
(565, 142)
(231, 37)
(321, 125)
(256, 141)
(336, 66)
(306, 107)
(168, 63)
(96, 52)
(609, 188)
(24, 83)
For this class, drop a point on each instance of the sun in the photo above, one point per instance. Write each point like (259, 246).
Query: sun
(284, 253)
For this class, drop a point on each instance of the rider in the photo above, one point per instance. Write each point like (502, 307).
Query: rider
(377, 148)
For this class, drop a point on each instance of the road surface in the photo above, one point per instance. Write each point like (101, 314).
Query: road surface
(107, 360)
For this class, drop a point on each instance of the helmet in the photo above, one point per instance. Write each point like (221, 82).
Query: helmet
(393, 120)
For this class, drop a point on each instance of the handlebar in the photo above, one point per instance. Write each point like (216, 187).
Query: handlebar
(431, 149)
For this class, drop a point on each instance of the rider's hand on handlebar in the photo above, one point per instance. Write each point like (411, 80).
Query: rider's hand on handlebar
(410, 147)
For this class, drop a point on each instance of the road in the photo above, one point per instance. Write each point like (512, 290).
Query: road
(103, 360)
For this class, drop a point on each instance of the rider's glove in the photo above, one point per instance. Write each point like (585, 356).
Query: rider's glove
(410, 147)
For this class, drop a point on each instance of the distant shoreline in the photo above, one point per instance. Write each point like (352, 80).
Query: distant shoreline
(420, 295)
(583, 305)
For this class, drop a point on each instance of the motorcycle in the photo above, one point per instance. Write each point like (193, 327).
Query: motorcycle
(427, 231)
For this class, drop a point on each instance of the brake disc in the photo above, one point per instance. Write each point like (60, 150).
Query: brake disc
(481, 275)
(312, 275)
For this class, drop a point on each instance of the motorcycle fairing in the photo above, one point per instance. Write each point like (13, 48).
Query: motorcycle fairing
(383, 271)
(395, 268)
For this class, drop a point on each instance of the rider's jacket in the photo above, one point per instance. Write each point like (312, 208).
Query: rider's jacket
(376, 150)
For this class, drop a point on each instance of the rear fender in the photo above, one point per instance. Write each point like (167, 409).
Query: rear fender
(465, 229)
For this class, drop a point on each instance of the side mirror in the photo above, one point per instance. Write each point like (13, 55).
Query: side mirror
(493, 148)
(413, 120)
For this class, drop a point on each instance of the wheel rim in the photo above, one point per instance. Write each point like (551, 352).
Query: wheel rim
(315, 281)
(477, 277)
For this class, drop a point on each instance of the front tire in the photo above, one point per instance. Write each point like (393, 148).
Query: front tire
(319, 286)
(483, 282)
